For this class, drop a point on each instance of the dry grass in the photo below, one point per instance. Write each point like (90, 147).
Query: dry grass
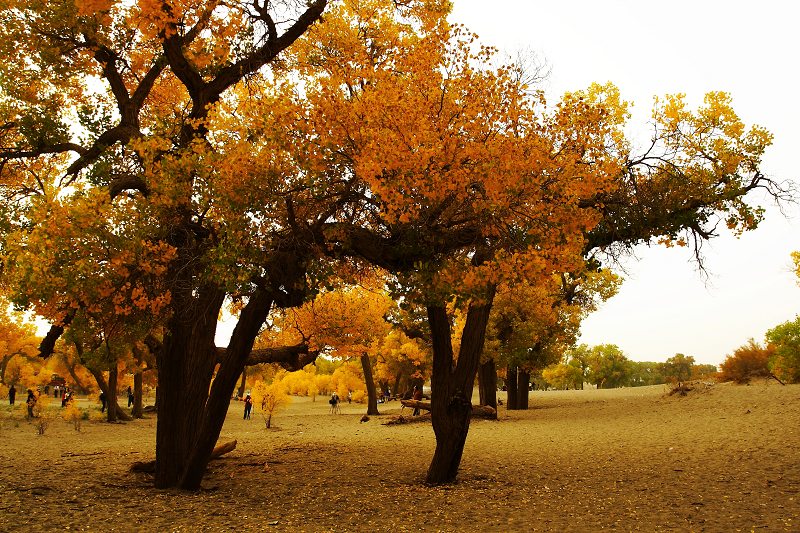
(721, 458)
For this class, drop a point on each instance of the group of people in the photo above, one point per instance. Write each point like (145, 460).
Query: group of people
(30, 401)
(66, 394)
(334, 401)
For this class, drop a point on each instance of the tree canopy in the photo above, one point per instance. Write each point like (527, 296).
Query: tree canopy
(159, 159)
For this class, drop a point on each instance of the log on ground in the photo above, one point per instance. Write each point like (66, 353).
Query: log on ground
(478, 411)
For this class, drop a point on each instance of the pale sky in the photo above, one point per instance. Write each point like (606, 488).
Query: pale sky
(652, 48)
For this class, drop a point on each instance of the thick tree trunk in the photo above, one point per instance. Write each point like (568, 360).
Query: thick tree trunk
(185, 367)
(511, 387)
(243, 384)
(523, 381)
(218, 400)
(487, 383)
(372, 395)
(451, 387)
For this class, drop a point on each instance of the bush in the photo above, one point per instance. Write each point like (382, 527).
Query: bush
(73, 413)
(746, 362)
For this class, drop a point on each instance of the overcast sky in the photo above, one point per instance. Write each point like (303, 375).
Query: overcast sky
(652, 48)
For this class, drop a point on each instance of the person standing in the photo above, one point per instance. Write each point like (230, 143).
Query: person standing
(30, 403)
(130, 396)
(248, 406)
(102, 402)
(12, 395)
(334, 401)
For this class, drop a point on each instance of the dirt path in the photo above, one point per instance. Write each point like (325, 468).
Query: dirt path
(725, 458)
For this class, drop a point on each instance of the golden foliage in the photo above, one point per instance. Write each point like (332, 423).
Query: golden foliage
(74, 414)
(269, 398)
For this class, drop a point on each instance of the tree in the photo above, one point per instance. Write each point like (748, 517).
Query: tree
(402, 361)
(269, 398)
(18, 346)
(146, 140)
(678, 367)
(347, 323)
(453, 212)
(645, 373)
(609, 367)
(454, 163)
(785, 342)
(563, 376)
(534, 326)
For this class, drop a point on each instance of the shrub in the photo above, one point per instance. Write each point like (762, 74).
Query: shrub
(746, 362)
(73, 413)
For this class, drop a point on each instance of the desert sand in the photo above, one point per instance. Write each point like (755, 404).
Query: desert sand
(723, 458)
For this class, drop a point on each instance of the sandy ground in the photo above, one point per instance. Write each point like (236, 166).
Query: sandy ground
(723, 458)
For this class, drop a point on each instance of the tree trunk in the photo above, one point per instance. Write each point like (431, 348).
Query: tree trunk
(3, 363)
(511, 387)
(112, 394)
(243, 384)
(137, 411)
(71, 371)
(230, 369)
(104, 386)
(137, 395)
(415, 382)
(397, 378)
(372, 395)
(185, 367)
(487, 383)
(101, 382)
(523, 381)
(451, 387)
